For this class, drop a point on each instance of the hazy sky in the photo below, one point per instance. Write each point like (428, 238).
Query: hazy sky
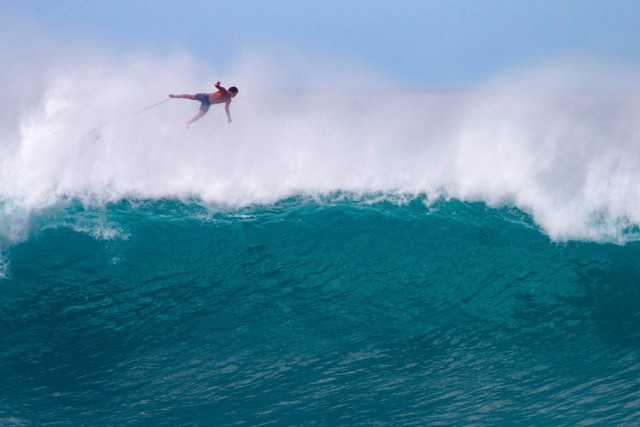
(420, 43)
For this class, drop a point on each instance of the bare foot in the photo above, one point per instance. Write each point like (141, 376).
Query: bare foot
(187, 125)
(172, 95)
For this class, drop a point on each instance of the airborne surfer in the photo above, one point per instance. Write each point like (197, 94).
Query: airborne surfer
(206, 99)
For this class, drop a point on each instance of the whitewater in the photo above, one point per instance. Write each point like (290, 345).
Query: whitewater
(346, 252)
(556, 143)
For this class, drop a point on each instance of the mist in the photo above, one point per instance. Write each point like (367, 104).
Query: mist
(557, 140)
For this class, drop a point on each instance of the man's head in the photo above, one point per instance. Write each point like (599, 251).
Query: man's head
(233, 90)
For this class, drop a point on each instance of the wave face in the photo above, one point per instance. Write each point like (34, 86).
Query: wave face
(338, 310)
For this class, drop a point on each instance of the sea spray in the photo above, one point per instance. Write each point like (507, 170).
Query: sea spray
(562, 153)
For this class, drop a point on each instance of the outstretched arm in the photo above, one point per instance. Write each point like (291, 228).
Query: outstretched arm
(226, 109)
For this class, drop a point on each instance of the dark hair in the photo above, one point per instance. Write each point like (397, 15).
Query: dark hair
(233, 89)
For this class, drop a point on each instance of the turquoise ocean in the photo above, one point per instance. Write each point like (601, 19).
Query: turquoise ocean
(431, 258)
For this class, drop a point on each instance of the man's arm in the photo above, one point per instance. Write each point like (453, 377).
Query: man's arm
(226, 109)
(220, 88)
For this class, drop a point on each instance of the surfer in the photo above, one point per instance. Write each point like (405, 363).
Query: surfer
(206, 99)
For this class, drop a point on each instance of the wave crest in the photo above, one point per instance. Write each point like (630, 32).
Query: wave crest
(565, 154)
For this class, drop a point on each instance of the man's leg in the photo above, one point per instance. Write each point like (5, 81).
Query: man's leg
(196, 117)
(186, 96)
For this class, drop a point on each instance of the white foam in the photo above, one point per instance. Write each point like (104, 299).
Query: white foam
(564, 152)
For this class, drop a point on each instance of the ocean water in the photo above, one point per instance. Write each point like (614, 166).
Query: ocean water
(328, 312)
(415, 258)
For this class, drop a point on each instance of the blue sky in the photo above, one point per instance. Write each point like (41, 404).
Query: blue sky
(421, 43)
